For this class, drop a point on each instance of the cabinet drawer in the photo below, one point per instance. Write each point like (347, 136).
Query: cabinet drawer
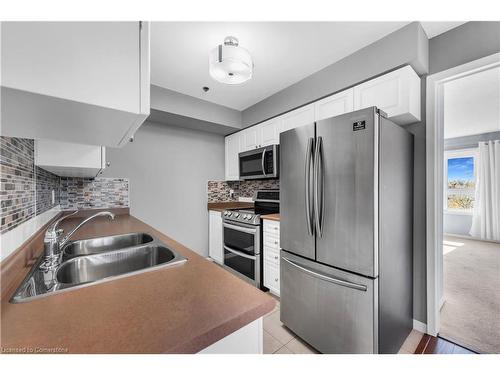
(272, 277)
(271, 255)
(271, 241)
(272, 227)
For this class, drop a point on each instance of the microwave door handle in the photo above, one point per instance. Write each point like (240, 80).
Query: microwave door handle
(239, 253)
(262, 162)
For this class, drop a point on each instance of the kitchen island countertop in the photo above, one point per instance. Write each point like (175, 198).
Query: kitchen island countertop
(181, 309)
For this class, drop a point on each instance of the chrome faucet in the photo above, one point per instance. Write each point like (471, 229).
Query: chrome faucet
(54, 240)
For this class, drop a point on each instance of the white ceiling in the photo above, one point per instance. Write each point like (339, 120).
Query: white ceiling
(433, 28)
(283, 53)
(472, 104)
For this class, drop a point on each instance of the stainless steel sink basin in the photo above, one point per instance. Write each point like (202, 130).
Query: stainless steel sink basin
(97, 260)
(104, 244)
(91, 268)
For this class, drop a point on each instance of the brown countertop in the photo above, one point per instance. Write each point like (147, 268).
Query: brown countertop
(275, 217)
(221, 206)
(181, 309)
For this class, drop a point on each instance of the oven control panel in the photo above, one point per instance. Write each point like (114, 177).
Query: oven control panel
(241, 217)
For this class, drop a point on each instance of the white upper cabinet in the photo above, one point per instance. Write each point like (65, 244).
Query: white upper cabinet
(84, 82)
(334, 105)
(270, 131)
(233, 148)
(301, 116)
(70, 159)
(251, 138)
(396, 93)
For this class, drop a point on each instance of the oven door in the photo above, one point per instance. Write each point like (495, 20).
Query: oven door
(242, 251)
(259, 163)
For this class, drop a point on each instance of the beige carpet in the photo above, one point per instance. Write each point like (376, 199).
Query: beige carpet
(471, 312)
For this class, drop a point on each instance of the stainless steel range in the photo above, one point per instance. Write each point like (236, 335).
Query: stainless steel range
(242, 236)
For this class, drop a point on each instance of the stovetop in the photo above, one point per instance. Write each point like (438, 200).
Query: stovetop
(266, 202)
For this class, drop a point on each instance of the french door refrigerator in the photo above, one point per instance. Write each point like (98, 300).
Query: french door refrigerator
(346, 212)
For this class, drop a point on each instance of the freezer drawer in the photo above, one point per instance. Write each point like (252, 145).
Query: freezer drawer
(334, 311)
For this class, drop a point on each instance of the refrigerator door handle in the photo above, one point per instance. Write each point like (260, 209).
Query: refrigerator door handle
(330, 279)
(318, 187)
(309, 217)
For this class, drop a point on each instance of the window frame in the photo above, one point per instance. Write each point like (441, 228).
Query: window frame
(456, 154)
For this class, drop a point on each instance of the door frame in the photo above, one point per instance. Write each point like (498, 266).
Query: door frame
(434, 177)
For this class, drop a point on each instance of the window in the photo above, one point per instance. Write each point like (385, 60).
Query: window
(460, 181)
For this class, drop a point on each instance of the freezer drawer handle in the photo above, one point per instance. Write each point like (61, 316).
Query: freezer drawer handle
(327, 278)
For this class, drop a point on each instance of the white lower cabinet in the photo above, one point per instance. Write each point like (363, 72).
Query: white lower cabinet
(70, 159)
(271, 254)
(215, 236)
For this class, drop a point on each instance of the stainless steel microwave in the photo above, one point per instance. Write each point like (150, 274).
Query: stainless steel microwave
(259, 163)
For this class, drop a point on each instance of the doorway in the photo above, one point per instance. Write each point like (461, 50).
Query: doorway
(463, 187)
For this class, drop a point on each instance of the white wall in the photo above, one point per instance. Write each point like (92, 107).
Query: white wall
(457, 224)
(168, 168)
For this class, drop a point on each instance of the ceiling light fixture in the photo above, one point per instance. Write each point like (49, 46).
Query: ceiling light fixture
(229, 63)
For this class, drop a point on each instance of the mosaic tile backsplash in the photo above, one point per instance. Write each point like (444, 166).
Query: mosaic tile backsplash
(26, 189)
(219, 191)
(17, 182)
(46, 182)
(100, 192)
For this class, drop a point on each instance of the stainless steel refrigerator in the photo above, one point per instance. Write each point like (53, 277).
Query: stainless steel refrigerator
(346, 192)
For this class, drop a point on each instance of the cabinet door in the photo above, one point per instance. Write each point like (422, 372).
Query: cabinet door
(90, 62)
(215, 236)
(272, 277)
(298, 117)
(251, 138)
(396, 93)
(270, 132)
(334, 105)
(232, 149)
(69, 159)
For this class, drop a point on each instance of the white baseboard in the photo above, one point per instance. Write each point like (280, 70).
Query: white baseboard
(467, 237)
(419, 326)
(14, 238)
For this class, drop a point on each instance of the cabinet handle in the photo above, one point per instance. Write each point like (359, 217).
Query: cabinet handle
(276, 257)
(275, 242)
(276, 280)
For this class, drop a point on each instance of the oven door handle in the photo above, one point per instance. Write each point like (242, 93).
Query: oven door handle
(240, 229)
(239, 253)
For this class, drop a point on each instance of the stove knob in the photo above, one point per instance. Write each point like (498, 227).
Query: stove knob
(236, 215)
(249, 217)
(229, 214)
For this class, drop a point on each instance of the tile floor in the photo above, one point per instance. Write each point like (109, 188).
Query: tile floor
(280, 340)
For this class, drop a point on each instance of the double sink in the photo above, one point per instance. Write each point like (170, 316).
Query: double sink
(86, 262)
